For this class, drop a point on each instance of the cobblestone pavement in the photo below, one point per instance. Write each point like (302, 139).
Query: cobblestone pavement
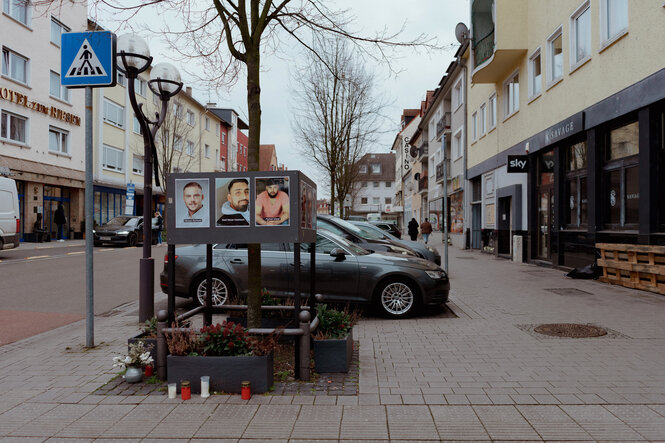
(482, 375)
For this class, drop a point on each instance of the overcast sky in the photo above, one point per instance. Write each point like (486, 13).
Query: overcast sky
(418, 71)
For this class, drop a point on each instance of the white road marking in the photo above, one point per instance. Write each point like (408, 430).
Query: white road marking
(37, 256)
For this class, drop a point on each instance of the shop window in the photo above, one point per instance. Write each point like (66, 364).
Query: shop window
(576, 186)
(546, 168)
(621, 177)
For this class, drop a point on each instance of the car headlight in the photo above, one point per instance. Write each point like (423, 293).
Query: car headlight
(122, 232)
(430, 249)
(398, 250)
(436, 275)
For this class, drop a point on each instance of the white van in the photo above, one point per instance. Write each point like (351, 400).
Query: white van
(10, 222)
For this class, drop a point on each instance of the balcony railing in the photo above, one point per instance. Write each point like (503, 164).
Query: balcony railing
(422, 183)
(443, 124)
(423, 149)
(483, 48)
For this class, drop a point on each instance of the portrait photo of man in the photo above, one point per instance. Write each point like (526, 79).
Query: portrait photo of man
(272, 201)
(192, 208)
(232, 197)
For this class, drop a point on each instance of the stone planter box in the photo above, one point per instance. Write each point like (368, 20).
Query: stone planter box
(226, 373)
(150, 343)
(333, 355)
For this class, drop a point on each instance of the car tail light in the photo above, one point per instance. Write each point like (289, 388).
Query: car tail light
(18, 225)
(166, 259)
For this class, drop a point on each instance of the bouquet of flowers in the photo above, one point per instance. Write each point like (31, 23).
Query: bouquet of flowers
(138, 356)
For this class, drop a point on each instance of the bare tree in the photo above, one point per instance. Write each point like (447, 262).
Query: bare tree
(336, 114)
(229, 35)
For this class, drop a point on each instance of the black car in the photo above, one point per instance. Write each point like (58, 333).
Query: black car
(388, 227)
(124, 229)
(364, 239)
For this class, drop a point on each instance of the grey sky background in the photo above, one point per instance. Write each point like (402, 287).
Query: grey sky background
(417, 70)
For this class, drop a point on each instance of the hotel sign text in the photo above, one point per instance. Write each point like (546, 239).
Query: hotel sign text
(51, 111)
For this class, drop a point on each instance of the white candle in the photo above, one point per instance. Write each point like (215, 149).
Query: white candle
(205, 386)
(172, 390)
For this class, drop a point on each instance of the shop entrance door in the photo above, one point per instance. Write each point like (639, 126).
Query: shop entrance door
(545, 211)
(476, 220)
(504, 225)
(53, 197)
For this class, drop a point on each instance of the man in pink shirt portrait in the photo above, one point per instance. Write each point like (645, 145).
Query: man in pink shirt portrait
(272, 205)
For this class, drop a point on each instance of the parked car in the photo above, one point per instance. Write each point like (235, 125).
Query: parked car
(398, 286)
(123, 229)
(357, 218)
(423, 251)
(364, 239)
(10, 219)
(388, 227)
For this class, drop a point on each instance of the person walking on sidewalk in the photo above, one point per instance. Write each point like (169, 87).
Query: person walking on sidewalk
(426, 230)
(160, 226)
(413, 229)
(60, 220)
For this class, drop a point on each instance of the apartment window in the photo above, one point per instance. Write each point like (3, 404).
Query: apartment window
(114, 113)
(457, 144)
(223, 138)
(57, 29)
(364, 184)
(177, 144)
(376, 168)
(535, 75)
(177, 109)
(207, 120)
(141, 87)
(13, 127)
(458, 94)
(492, 111)
(474, 126)
(580, 35)
(217, 131)
(137, 164)
(621, 177)
(113, 158)
(14, 66)
(363, 169)
(190, 148)
(56, 89)
(207, 151)
(190, 118)
(613, 19)
(120, 78)
(18, 9)
(389, 184)
(137, 126)
(58, 140)
(363, 200)
(376, 200)
(511, 95)
(388, 200)
(376, 184)
(223, 164)
(481, 119)
(555, 56)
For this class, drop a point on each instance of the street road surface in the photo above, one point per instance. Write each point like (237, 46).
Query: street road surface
(41, 289)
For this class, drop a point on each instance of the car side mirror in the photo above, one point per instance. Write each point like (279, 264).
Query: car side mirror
(338, 253)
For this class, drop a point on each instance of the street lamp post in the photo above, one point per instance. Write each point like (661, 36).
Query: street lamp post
(133, 58)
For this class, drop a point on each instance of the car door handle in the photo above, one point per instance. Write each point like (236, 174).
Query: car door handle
(237, 260)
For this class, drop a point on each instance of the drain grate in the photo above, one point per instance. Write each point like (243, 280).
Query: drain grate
(570, 330)
(568, 291)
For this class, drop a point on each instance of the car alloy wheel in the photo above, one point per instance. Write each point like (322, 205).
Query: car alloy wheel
(397, 299)
(220, 291)
(131, 240)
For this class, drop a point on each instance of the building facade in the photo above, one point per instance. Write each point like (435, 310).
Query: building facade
(374, 189)
(572, 88)
(402, 148)
(42, 130)
(233, 142)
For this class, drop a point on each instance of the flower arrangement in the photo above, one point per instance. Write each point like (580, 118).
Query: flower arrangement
(334, 324)
(138, 356)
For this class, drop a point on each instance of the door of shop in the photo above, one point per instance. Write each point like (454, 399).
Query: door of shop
(53, 197)
(504, 225)
(476, 220)
(545, 211)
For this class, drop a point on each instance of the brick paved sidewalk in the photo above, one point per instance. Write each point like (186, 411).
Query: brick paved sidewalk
(482, 376)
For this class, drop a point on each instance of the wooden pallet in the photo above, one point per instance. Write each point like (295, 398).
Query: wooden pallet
(633, 266)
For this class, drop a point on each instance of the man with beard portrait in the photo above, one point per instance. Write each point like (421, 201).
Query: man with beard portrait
(272, 205)
(235, 211)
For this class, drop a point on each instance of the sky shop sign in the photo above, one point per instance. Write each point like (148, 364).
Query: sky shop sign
(51, 111)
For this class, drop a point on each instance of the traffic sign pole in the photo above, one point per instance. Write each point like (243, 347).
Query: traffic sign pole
(89, 193)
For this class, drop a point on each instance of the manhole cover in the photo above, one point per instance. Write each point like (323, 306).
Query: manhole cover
(568, 291)
(571, 330)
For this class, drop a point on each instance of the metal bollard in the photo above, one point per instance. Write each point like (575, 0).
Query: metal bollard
(305, 317)
(162, 318)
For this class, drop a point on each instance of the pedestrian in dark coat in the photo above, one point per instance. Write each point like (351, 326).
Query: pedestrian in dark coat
(60, 220)
(413, 229)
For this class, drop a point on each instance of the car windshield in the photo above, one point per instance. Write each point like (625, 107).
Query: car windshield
(376, 230)
(369, 232)
(352, 228)
(327, 241)
(123, 221)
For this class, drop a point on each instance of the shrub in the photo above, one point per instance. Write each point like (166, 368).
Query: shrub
(334, 324)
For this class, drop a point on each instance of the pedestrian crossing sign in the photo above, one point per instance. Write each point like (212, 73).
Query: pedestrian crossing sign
(88, 59)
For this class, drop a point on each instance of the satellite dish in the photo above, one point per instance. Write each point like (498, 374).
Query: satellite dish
(461, 33)
(413, 151)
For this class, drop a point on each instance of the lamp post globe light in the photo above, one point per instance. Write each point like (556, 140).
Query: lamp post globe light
(133, 57)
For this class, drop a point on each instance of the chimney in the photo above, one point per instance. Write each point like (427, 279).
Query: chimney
(188, 90)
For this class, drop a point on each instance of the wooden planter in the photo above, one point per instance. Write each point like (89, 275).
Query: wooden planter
(333, 355)
(149, 343)
(226, 373)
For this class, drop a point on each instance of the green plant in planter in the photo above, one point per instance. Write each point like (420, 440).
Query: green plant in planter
(228, 339)
(334, 324)
(150, 328)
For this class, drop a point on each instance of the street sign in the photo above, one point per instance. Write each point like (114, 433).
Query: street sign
(88, 59)
(129, 202)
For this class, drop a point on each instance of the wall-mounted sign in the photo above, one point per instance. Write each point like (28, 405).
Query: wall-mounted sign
(51, 111)
(564, 129)
(241, 207)
(405, 155)
(518, 164)
(129, 199)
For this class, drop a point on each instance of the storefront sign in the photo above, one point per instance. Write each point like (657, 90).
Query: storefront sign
(456, 183)
(564, 129)
(518, 164)
(51, 111)
(129, 202)
(405, 155)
